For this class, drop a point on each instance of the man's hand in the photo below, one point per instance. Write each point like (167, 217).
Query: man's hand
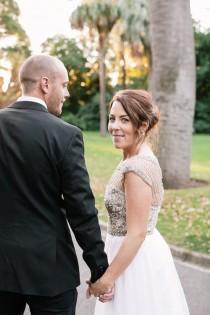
(101, 289)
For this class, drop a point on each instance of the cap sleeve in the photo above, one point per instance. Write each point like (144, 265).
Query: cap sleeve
(142, 167)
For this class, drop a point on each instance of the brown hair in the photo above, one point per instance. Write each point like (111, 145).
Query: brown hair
(139, 106)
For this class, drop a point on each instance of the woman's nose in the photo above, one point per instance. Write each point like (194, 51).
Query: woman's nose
(115, 124)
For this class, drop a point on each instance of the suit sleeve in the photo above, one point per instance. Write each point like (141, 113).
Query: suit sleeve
(80, 207)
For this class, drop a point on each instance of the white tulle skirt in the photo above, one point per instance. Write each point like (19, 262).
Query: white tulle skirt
(149, 286)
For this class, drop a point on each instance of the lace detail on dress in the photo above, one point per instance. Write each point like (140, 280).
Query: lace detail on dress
(147, 167)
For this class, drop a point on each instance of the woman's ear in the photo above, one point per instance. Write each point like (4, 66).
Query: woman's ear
(140, 134)
(144, 126)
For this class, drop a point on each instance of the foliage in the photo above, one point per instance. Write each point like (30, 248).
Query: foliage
(185, 216)
(89, 114)
(83, 79)
(87, 118)
(12, 54)
(99, 17)
(135, 26)
(82, 108)
(135, 19)
(9, 24)
(202, 116)
(128, 55)
(80, 76)
(202, 112)
(135, 80)
(73, 120)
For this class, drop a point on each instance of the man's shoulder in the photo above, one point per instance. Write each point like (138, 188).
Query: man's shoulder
(3, 110)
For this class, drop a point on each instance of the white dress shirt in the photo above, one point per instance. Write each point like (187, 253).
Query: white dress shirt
(26, 98)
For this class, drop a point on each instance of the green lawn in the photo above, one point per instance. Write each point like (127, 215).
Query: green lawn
(200, 166)
(185, 216)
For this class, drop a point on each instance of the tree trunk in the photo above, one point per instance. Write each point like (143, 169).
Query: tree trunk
(102, 85)
(123, 63)
(173, 85)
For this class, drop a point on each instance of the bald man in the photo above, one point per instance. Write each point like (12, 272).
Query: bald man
(43, 172)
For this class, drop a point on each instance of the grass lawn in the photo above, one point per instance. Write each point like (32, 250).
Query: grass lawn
(185, 216)
(200, 166)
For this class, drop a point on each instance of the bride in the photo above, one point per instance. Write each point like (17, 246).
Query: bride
(141, 274)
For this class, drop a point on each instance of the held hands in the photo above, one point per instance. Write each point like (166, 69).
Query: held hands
(102, 289)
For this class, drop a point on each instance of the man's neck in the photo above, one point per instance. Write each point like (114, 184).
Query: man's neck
(30, 98)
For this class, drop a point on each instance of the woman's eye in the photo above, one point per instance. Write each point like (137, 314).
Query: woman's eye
(125, 120)
(111, 118)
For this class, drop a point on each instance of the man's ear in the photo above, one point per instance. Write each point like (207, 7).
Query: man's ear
(44, 85)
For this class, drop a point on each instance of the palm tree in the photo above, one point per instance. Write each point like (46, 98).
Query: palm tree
(99, 17)
(173, 85)
(132, 31)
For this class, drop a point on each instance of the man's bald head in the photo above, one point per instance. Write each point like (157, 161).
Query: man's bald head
(45, 77)
(36, 67)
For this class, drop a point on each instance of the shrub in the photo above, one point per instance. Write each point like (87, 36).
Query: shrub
(202, 117)
(73, 120)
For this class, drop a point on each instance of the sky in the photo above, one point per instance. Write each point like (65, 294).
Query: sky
(45, 18)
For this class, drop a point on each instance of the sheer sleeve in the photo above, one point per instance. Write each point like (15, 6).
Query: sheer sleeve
(148, 169)
(141, 167)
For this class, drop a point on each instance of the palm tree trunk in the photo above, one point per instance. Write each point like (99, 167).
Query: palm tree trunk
(102, 85)
(123, 63)
(173, 85)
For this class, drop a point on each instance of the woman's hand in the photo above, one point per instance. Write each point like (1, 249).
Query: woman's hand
(106, 297)
(102, 288)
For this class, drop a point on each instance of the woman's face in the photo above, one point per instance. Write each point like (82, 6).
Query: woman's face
(120, 127)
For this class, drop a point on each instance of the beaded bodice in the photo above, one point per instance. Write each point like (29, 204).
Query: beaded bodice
(147, 167)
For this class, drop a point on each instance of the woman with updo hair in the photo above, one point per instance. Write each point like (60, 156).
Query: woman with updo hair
(141, 278)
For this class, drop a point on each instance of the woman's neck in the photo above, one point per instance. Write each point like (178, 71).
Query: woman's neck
(140, 148)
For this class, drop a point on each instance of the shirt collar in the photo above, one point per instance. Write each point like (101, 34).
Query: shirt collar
(26, 98)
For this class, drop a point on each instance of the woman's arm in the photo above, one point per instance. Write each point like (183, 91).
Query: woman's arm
(138, 196)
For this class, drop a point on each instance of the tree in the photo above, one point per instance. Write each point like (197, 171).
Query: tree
(9, 24)
(131, 40)
(80, 81)
(81, 109)
(99, 18)
(173, 85)
(202, 109)
(13, 54)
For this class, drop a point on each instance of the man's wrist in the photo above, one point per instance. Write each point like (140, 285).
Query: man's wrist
(97, 273)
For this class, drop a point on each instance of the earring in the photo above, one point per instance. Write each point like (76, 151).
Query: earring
(142, 133)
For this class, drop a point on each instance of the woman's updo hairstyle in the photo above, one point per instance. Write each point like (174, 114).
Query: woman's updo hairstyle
(139, 106)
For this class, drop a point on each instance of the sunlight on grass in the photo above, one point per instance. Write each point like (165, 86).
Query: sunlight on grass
(200, 166)
(199, 171)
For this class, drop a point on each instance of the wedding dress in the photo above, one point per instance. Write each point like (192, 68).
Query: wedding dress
(150, 285)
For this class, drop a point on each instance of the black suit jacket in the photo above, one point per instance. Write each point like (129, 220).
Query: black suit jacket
(43, 172)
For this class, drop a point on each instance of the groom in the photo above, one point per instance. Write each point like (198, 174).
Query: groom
(44, 185)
